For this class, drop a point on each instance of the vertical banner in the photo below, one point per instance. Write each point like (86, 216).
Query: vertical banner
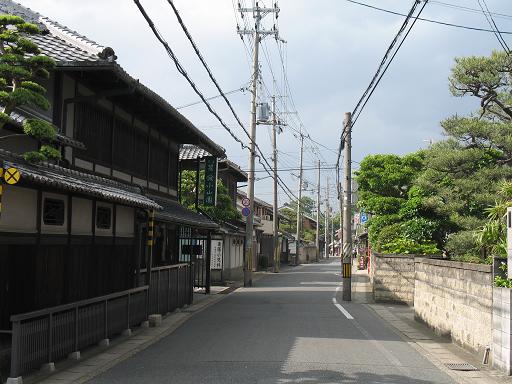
(217, 254)
(210, 181)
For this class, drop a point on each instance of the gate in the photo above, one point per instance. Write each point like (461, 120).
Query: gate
(195, 249)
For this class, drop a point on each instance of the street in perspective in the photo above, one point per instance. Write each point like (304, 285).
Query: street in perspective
(255, 192)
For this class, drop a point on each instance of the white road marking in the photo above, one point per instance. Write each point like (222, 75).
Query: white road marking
(342, 310)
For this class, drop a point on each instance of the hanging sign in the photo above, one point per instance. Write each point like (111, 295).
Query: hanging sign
(210, 181)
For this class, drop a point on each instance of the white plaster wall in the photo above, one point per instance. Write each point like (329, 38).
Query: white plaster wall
(124, 221)
(19, 210)
(81, 218)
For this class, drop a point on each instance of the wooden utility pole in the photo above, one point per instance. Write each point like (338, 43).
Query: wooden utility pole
(275, 244)
(347, 219)
(299, 204)
(318, 215)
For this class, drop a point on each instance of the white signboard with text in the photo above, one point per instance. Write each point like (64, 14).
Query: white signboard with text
(217, 248)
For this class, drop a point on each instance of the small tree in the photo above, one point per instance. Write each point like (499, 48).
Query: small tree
(21, 65)
(223, 211)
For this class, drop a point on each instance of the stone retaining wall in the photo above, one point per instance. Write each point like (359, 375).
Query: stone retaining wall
(393, 278)
(455, 299)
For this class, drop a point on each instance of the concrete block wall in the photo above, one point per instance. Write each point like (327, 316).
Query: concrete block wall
(393, 278)
(455, 299)
(307, 254)
(501, 330)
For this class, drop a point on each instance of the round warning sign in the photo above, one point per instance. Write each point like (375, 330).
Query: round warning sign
(246, 202)
(246, 211)
(12, 175)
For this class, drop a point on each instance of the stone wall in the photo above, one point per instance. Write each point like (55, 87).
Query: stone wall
(455, 299)
(501, 330)
(393, 278)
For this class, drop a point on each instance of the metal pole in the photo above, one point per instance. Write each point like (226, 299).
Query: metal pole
(318, 215)
(248, 256)
(347, 220)
(275, 211)
(299, 213)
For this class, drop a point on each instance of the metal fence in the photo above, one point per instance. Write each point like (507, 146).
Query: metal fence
(170, 288)
(50, 334)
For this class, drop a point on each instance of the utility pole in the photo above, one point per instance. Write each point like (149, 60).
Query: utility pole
(275, 211)
(318, 215)
(258, 14)
(347, 220)
(340, 198)
(326, 229)
(299, 210)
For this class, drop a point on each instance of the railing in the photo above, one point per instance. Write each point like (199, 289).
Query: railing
(43, 336)
(171, 287)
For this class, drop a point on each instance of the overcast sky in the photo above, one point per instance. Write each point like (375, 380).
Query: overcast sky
(333, 49)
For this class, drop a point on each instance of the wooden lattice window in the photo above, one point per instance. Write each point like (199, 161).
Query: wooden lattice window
(53, 211)
(103, 217)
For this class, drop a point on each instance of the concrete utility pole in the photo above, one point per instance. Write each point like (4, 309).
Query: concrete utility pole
(326, 229)
(275, 210)
(317, 242)
(299, 210)
(340, 198)
(258, 14)
(347, 220)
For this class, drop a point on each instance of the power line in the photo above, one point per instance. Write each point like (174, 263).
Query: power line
(468, 9)
(381, 70)
(241, 89)
(427, 20)
(212, 78)
(493, 26)
(182, 71)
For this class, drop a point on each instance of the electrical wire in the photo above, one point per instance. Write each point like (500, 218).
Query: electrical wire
(212, 78)
(494, 27)
(381, 70)
(427, 20)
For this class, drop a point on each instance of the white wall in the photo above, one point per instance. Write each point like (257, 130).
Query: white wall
(124, 221)
(19, 210)
(81, 218)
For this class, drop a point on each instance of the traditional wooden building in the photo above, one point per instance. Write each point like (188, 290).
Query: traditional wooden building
(79, 229)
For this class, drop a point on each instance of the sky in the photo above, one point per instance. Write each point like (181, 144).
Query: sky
(332, 50)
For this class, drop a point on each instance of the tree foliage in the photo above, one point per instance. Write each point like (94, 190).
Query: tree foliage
(454, 197)
(222, 212)
(308, 206)
(21, 66)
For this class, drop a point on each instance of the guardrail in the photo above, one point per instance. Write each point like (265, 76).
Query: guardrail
(171, 287)
(43, 336)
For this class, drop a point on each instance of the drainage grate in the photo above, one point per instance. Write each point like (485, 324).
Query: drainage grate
(461, 367)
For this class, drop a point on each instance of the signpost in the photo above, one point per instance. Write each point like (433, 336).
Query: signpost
(246, 202)
(363, 217)
(246, 211)
(210, 181)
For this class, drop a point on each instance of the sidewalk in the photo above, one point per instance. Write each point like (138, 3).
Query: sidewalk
(99, 359)
(439, 350)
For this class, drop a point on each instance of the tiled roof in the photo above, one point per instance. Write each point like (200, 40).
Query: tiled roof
(78, 182)
(174, 212)
(192, 152)
(56, 41)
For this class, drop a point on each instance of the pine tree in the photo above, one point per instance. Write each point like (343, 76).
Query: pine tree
(21, 66)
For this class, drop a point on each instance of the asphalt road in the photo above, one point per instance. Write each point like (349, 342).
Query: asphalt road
(289, 328)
